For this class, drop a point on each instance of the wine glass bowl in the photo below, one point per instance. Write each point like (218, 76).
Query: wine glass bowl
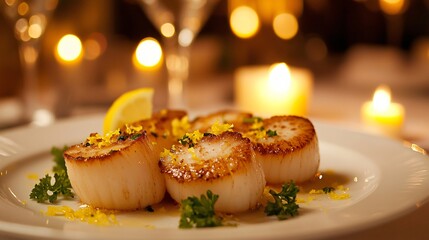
(29, 19)
(178, 21)
(178, 18)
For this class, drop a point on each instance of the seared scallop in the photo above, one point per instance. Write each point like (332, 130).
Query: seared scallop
(117, 171)
(224, 164)
(287, 147)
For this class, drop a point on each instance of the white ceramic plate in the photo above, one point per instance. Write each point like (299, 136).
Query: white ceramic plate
(386, 179)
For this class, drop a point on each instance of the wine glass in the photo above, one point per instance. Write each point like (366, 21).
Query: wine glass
(29, 19)
(178, 21)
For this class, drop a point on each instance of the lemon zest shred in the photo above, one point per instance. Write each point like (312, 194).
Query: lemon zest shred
(164, 153)
(316, 191)
(152, 127)
(84, 213)
(111, 136)
(191, 150)
(180, 126)
(167, 153)
(33, 176)
(195, 136)
(334, 195)
(256, 131)
(218, 128)
(338, 196)
(131, 129)
(257, 125)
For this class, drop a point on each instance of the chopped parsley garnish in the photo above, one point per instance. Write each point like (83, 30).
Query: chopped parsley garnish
(271, 133)
(135, 136)
(45, 190)
(328, 189)
(199, 212)
(252, 120)
(60, 163)
(284, 205)
(186, 140)
(192, 138)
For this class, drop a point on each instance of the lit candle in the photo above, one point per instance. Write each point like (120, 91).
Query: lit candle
(383, 116)
(273, 90)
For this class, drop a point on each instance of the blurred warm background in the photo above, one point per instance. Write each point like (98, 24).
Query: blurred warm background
(92, 51)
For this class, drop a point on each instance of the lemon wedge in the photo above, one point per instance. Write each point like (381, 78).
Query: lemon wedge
(130, 107)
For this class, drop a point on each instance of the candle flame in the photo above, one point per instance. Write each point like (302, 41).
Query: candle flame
(279, 79)
(382, 98)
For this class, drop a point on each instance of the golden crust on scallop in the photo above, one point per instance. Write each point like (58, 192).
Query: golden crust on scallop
(286, 140)
(230, 154)
(236, 118)
(159, 125)
(85, 152)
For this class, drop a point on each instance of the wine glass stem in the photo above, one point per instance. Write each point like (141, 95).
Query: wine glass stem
(29, 55)
(177, 63)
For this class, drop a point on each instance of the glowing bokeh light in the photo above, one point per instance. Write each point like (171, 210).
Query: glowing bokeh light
(393, 7)
(186, 36)
(285, 26)
(21, 25)
(23, 8)
(42, 117)
(69, 48)
(94, 46)
(167, 30)
(244, 22)
(148, 53)
(92, 49)
(36, 28)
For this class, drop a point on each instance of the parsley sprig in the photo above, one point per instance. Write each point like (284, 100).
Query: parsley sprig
(271, 133)
(186, 140)
(284, 205)
(199, 212)
(45, 190)
(252, 120)
(60, 163)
